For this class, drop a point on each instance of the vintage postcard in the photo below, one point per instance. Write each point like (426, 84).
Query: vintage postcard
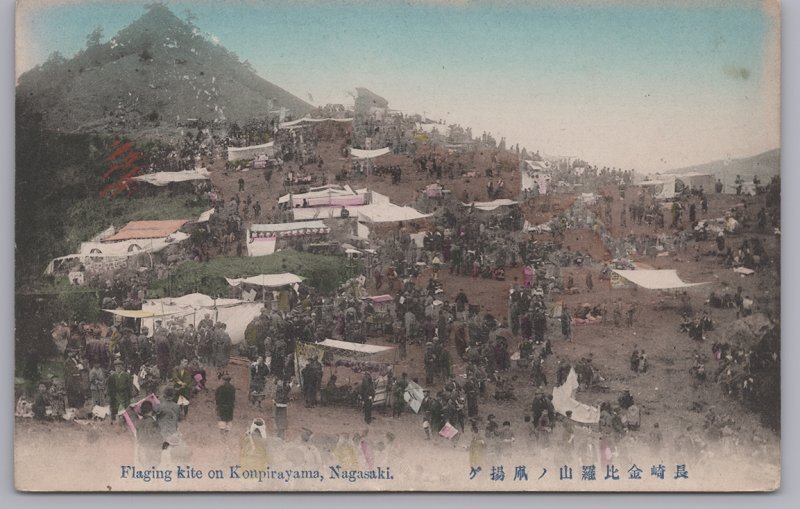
(522, 245)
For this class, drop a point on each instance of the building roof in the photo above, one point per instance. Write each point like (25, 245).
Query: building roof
(146, 230)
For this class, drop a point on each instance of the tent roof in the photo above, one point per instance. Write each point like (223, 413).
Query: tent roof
(655, 279)
(287, 227)
(195, 300)
(387, 212)
(130, 313)
(166, 177)
(252, 147)
(268, 280)
(292, 123)
(491, 205)
(354, 347)
(368, 154)
(380, 298)
(324, 192)
(146, 230)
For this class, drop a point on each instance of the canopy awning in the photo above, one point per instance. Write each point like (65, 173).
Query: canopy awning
(354, 347)
(387, 213)
(656, 279)
(292, 123)
(146, 230)
(268, 280)
(356, 153)
(131, 313)
(491, 205)
(167, 177)
(290, 227)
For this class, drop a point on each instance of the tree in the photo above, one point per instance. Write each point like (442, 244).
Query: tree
(93, 39)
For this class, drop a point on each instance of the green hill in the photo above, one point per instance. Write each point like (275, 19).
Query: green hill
(157, 72)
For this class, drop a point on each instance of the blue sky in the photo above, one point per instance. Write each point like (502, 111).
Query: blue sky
(650, 85)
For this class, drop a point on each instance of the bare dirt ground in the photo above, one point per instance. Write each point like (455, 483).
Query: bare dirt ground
(49, 453)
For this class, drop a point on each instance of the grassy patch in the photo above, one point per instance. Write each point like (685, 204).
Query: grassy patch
(321, 271)
(88, 217)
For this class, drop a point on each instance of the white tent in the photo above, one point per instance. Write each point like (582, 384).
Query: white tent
(268, 280)
(284, 125)
(655, 279)
(205, 216)
(361, 348)
(235, 313)
(167, 177)
(296, 228)
(387, 213)
(368, 154)
(491, 205)
(251, 152)
(564, 399)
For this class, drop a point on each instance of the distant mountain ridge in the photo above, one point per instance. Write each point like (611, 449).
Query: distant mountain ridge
(158, 71)
(766, 165)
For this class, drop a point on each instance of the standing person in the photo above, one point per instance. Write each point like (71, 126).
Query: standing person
(40, 403)
(222, 346)
(168, 413)
(435, 265)
(120, 388)
(589, 281)
(281, 402)
(181, 379)
(149, 441)
(398, 395)
(73, 380)
(225, 400)
(631, 313)
(367, 391)
(97, 385)
(566, 323)
(310, 386)
(241, 185)
(258, 381)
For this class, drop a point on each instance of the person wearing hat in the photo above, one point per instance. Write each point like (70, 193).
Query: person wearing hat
(181, 379)
(206, 322)
(120, 389)
(144, 350)
(225, 398)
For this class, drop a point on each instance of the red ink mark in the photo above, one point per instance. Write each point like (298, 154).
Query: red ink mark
(123, 158)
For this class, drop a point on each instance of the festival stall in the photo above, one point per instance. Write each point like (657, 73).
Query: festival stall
(251, 152)
(348, 361)
(234, 313)
(381, 320)
(265, 239)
